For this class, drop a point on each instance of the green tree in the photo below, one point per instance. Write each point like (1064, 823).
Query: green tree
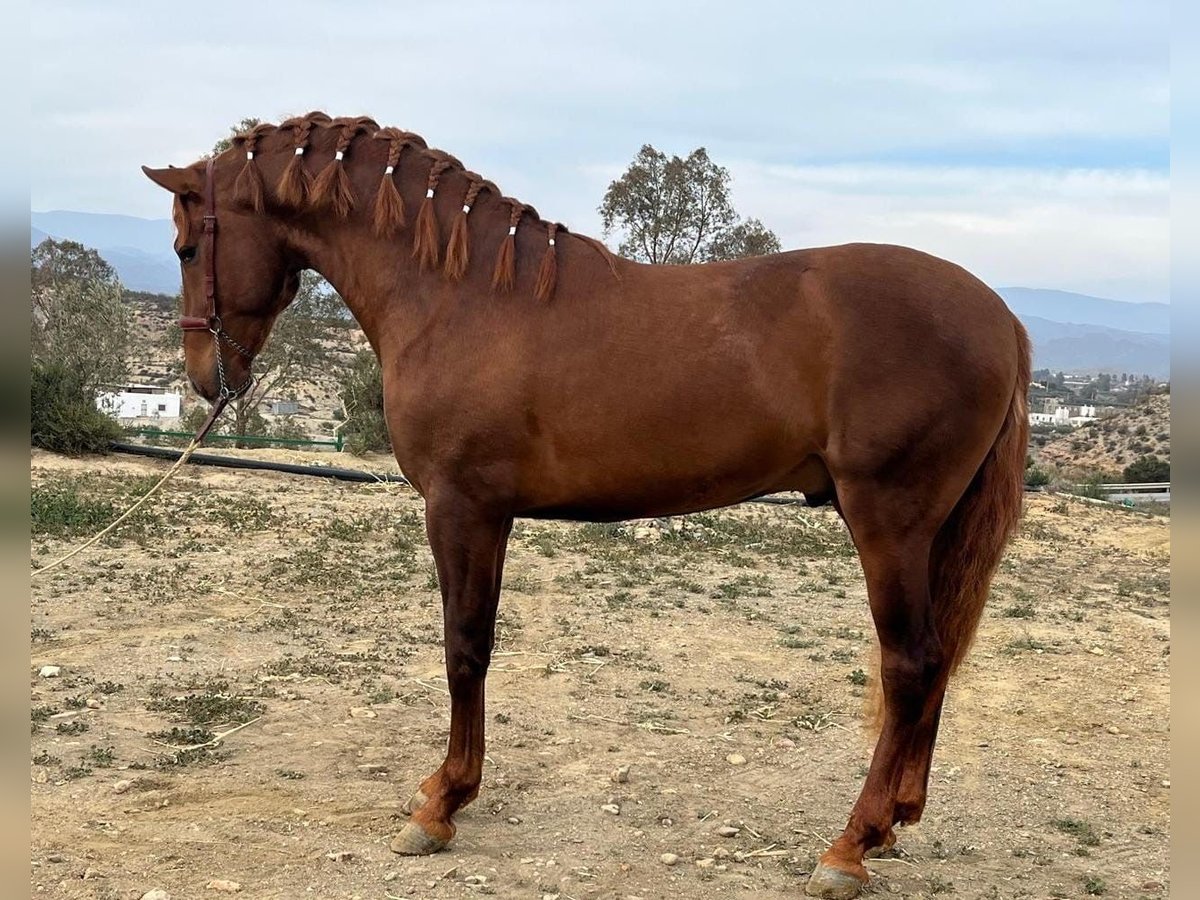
(234, 130)
(677, 210)
(79, 318)
(296, 350)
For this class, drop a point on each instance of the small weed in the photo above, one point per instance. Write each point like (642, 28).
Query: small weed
(939, 885)
(214, 704)
(101, 757)
(1078, 829)
(1094, 885)
(858, 677)
(75, 726)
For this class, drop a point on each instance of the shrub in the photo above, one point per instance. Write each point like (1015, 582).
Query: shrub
(1036, 477)
(1147, 470)
(62, 413)
(365, 426)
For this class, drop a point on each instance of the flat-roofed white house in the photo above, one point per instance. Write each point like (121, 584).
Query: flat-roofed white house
(140, 402)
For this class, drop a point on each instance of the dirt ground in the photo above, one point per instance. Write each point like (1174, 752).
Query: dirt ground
(719, 657)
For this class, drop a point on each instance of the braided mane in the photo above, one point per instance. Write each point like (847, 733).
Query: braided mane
(332, 190)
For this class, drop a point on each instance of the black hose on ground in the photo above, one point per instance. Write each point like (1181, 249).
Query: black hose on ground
(234, 462)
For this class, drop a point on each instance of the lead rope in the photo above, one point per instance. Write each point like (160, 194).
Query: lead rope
(217, 409)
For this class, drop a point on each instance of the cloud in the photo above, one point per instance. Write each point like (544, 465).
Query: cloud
(1099, 231)
(540, 97)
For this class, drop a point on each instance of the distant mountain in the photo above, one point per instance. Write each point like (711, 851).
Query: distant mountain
(1081, 309)
(1094, 348)
(139, 249)
(1071, 332)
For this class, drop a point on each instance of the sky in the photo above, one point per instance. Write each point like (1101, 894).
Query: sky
(1029, 142)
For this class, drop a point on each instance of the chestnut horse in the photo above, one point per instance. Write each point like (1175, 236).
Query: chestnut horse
(528, 372)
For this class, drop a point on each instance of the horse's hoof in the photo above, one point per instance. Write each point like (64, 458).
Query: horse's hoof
(833, 884)
(415, 802)
(413, 840)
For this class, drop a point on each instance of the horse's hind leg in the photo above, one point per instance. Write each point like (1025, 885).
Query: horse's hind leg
(468, 548)
(894, 538)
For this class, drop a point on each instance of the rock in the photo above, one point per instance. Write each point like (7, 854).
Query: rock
(120, 787)
(224, 885)
(728, 831)
(513, 820)
(90, 873)
(706, 863)
(735, 759)
(50, 671)
(621, 775)
(339, 855)
(390, 876)
(93, 703)
(669, 859)
(55, 858)
(39, 774)
(612, 809)
(372, 768)
(785, 743)
(156, 894)
(1096, 651)
(720, 853)
(475, 879)
(1113, 729)
(362, 712)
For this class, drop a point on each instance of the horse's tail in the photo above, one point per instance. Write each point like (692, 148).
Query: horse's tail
(971, 541)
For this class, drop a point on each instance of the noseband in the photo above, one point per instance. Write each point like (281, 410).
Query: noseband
(211, 321)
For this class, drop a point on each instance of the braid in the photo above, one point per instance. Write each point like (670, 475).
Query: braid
(249, 188)
(504, 276)
(332, 187)
(457, 249)
(389, 205)
(425, 237)
(295, 183)
(548, 271)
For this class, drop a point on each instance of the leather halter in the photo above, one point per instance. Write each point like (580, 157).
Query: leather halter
(211, 320)
(208, 251)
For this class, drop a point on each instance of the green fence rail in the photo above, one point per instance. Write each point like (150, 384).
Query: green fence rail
(336, 444)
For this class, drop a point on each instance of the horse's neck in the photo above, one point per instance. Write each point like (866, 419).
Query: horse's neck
(379, 281)
(393, 299)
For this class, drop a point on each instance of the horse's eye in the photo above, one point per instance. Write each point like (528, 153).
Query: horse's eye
(186, 254)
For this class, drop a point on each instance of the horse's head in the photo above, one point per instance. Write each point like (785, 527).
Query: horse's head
(236, 279)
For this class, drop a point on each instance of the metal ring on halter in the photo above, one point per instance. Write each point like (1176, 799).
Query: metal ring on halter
(215, 326)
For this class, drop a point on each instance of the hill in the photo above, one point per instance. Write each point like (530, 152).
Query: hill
(1082, 309)
(139, 249)
(1096, 348)
(1110, 444)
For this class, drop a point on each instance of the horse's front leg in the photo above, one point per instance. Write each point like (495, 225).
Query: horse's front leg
(468, 547)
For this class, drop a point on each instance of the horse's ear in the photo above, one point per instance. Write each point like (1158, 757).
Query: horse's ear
(180, 182)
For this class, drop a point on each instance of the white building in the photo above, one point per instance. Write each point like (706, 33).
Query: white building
(1064, 416)
(139, 402)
